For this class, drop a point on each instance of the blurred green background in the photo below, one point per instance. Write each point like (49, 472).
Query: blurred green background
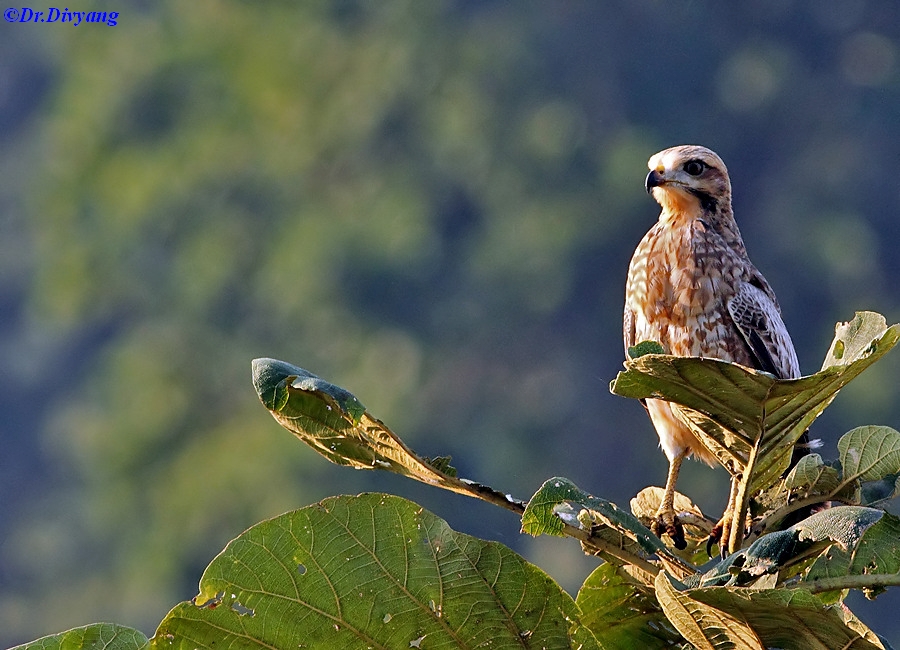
(432, 204)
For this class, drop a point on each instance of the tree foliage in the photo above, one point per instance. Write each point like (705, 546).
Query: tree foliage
(431, 203)
(379, 571)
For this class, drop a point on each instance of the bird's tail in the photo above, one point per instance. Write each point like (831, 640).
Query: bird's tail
(802, 447)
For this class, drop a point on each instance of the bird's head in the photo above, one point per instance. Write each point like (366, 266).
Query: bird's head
(687, 179)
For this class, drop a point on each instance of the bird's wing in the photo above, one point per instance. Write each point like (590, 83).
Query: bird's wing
(629, 334)
(759, 322)
(628, 329)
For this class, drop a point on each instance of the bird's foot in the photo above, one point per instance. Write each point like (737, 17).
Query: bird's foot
(666, 521)
(719, 535)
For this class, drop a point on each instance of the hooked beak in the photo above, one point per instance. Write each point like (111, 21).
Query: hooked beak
(654, 179)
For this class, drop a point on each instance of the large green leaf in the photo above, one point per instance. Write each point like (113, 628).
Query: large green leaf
(372, 571)
(742, 413)
(748, 419)
(336, 425)
(870, 563)
(622, 613)
(100, 636)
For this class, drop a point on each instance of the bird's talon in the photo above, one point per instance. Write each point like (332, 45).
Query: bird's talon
(715, 537)
(719, 535)
(677, 537)
(668, 523)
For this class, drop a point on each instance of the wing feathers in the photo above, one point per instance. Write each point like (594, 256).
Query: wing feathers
(759, 322)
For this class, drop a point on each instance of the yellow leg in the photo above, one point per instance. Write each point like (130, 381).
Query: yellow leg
(735, 527)
(666, 521)
(721, 532)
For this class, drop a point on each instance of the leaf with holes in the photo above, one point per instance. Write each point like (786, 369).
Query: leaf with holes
(615, 534)
(542, 516)
(372, 571)
(873, 556)
(842, 527)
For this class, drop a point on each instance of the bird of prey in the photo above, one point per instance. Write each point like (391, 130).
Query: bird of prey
(692, 288)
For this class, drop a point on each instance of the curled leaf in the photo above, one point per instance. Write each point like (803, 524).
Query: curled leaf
(812, 475)
(335, 424)
(748, 419)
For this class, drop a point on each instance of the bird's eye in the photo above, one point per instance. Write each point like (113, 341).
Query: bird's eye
(694, 167)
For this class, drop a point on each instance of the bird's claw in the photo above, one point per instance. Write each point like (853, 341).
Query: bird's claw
(667, 522)
(718, 535)
(714, 536)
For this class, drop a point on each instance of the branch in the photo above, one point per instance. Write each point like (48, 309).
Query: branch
(859, 581)
(597, 546)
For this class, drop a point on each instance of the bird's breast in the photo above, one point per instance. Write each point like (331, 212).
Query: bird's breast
(677, 286)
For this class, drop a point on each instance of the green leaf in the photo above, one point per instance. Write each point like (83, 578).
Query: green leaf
(708, 628)
(812, 476)
(873, 551)
(441, 464)
(336, 425)
(645, 347)
(780, 618)
(856, 339)
(560, 496)
(623, 614)
(611, 532)
(869, 453)
(273, 378)
(843, 526)
(100, 636)
(870, 463)
(749, 419)
(741, 413)
(372, 571)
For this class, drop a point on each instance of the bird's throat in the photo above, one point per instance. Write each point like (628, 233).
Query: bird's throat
(678, 207)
